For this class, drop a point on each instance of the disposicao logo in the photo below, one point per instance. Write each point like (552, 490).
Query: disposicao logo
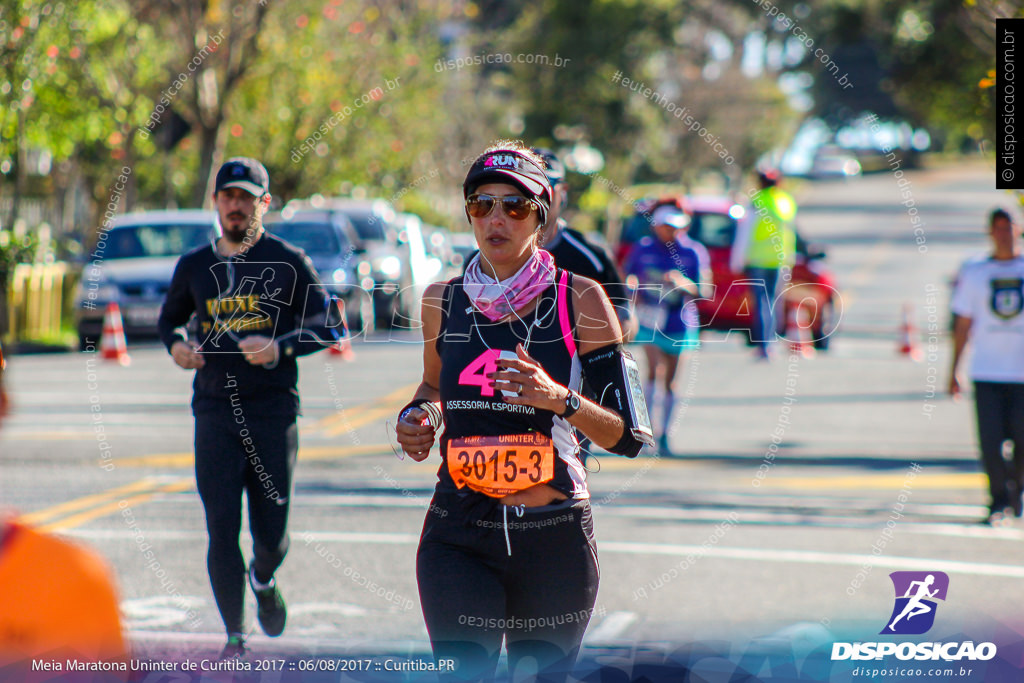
(913, 614)
(916, 593)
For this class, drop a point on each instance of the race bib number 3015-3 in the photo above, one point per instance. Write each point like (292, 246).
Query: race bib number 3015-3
(501, 465)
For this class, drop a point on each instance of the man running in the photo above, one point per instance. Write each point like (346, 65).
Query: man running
(245, 397)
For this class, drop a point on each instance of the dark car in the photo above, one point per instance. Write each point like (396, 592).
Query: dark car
(133, 264)
(384, 266)
(331, 243)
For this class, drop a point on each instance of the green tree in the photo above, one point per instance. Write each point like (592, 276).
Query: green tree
(921, 61)
(74, 78)
(346, 97)
(688, 108)
(31, 102)
(216, 44)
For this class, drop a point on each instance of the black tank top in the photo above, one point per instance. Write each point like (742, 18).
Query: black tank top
(468, 339)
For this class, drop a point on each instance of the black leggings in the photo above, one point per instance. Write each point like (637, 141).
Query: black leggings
(257, 455)
(1000, 411)
(539, 598)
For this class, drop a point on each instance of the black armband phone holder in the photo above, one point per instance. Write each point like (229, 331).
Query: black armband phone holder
(614, 377)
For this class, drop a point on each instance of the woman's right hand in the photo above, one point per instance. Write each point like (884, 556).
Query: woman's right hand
(415, 434)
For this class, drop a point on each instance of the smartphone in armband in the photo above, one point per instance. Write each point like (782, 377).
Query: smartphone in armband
(640, 419)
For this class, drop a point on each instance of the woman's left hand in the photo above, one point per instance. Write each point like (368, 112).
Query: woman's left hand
(527, 378)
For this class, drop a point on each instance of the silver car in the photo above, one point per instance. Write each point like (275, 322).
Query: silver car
(132, 264)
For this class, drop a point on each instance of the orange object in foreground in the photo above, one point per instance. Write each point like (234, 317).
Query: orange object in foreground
(59, 600)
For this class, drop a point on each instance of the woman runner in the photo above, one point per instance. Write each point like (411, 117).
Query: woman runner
(507, 550)
(673, 270)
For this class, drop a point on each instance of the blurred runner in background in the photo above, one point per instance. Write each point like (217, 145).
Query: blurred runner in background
(671, 270)
(573, 251)
(259, 305)
(987, 304)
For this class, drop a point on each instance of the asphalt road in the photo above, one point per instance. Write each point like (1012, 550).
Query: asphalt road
(733, 542)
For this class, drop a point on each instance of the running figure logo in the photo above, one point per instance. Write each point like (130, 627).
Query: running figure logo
(916, 592)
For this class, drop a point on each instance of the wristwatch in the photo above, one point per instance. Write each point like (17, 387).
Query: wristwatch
(572, 404)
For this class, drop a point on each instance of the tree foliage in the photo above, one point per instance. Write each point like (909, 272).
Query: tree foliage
(362, 95)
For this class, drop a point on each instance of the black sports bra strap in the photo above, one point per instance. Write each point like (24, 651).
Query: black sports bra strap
(446, 309)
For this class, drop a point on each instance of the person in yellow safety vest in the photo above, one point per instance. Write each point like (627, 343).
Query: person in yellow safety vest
(764, 250)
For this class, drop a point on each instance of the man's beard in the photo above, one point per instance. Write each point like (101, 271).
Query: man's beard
(238, 235)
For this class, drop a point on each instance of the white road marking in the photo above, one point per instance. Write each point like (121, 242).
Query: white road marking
(341, 608)
(811, 518)
(108, 396)
(960, 530)
(626, 548)
(816, 557)
(388, 498)
(410, 498)
(286, 643)
(161, 611)
(611, 628)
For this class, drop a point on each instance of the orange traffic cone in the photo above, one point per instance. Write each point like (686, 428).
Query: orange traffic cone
(113, 345)
(908, 336)
(800, 341)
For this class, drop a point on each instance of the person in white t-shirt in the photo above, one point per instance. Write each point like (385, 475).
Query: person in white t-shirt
(988, 308)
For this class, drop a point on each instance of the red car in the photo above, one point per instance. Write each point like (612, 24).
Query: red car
(810, 297)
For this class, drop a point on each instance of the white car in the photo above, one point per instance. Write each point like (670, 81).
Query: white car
(834, 162)
(424, 267)
(132, 264)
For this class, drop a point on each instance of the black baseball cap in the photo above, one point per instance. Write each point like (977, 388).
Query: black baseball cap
(553, 167)
(243, 172)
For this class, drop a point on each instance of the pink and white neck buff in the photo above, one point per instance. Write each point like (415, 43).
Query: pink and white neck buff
(497, 299)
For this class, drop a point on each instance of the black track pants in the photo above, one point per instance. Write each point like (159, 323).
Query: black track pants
(539, 598)
(257, 455)
(1000, 411)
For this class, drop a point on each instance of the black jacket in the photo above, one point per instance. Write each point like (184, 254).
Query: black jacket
(573, 252)
(270, 290)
